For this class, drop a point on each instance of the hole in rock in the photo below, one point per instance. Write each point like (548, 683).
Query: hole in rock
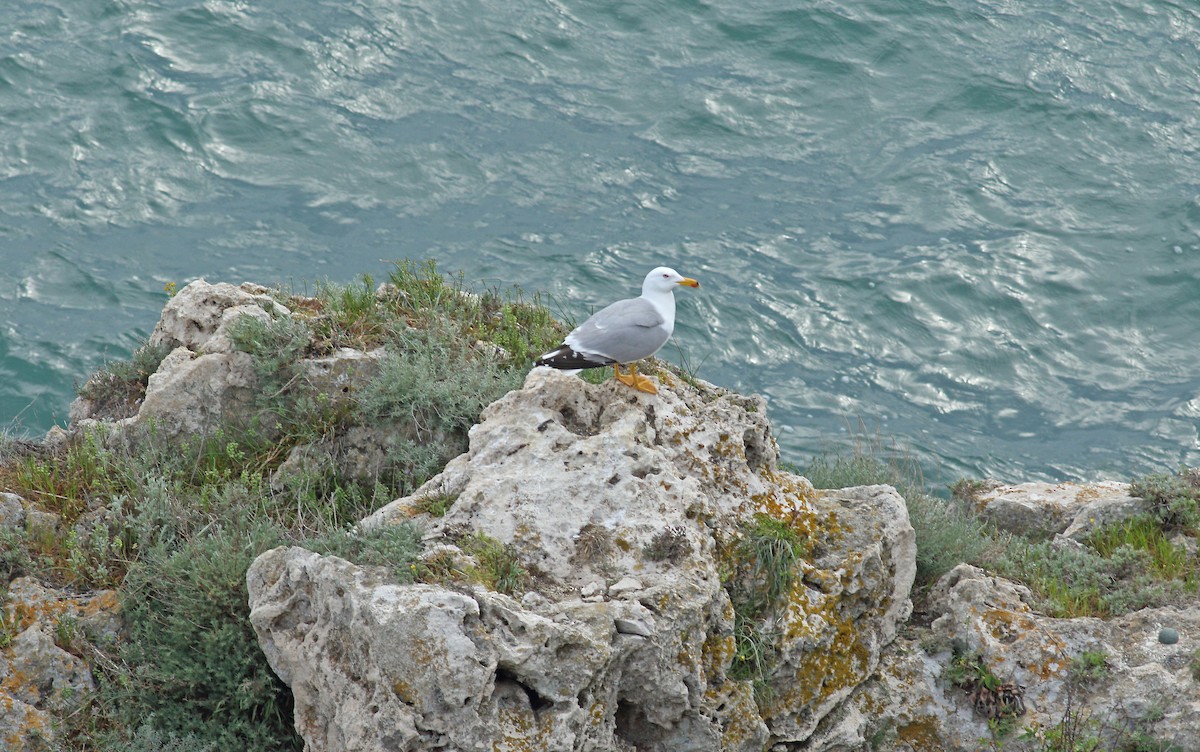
(536, 701)
(753, 444)
(633, 727)
(574, 423)
(642, 472)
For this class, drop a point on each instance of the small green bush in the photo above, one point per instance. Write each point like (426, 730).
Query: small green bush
(1175, 498)
(759, 565)
(499, 567)
(192, 661)
(392, 546)
(1077, 581)
(117, 389)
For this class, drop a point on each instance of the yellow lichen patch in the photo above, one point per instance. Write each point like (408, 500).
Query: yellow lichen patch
(921, 735)
(716, 654)
(597, 712)
(690, 652)
(404, 692)
(733, 705)
(792, 503)
(522, 730)
(1007, 626)
(1010, 626)
(835, 654)
(20, 684)
(33, 724)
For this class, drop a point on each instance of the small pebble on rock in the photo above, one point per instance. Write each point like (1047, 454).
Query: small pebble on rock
(1168, 636)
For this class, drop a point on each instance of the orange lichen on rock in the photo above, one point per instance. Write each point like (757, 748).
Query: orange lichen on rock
(836, 656)
(1009, 626)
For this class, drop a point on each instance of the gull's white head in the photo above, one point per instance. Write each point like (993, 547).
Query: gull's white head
(663, 279)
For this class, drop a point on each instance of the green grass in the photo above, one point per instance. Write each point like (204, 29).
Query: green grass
(1144, 533)
(1122, 567)
(499, 567)
(759, 565)
(519, 324)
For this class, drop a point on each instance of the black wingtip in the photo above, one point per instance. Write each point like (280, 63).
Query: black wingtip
(568, 360)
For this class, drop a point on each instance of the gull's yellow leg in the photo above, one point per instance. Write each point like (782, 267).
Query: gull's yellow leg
(641, 383)
(629, 379)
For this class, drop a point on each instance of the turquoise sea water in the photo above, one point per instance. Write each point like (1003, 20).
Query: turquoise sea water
(973, 227)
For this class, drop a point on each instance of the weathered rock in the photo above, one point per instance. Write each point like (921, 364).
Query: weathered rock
(1145, 686)
(1045, 509)
(204, 382)
(582, 481)
(201, 311)
(12, 510)
(992, 616)
(16, 512)
(40, 681)
(193, 395)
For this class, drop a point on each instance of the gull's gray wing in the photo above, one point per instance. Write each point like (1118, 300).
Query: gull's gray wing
(625, 331)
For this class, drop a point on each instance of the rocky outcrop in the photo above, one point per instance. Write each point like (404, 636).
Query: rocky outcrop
(204, 381)
(1044, 510)
(631, 515)
(1116, 680)
(608, 570)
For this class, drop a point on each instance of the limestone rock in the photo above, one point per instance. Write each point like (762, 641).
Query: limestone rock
(1042, 510)
(39, 680)
(12, 510)
(201, 311)
(1144, 686)
(990, 615)
(16, 512)
(194, 394)
(627, 643)
(204, 382)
